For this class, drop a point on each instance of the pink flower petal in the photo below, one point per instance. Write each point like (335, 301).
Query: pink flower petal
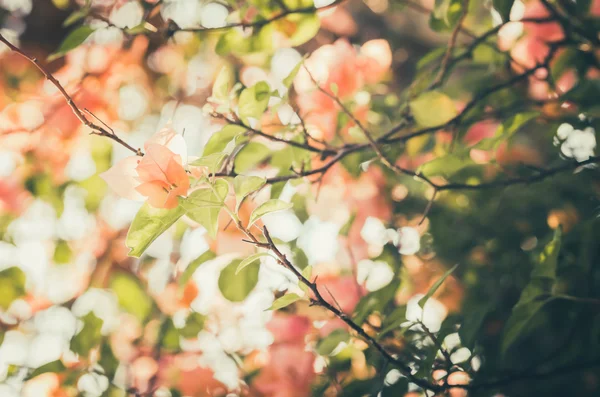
(122, 178)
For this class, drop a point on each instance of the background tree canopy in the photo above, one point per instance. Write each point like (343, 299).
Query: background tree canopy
(286, 198)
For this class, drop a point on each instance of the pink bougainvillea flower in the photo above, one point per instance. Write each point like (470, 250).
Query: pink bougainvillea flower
(342, 70)
(159, 176)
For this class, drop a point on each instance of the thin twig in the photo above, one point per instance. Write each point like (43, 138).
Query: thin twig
(96, 129)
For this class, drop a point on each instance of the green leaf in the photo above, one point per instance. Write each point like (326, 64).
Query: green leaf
(307, 26)
(76, 16)
(236, 287)
(327, 345)
(61, 4)
(503, 7)
(284, 301)
(54, 366)
(447, 165)
(244, 185)
(148, 224)
(89, 337)
(193, 325)
(223, 83)
(212, 161)
(232, 41)
(435, 286)
(267, 208)
(432, 109)
(474, 319)
(12, 285)
(376, 301)
(290, 77)
(307, 273)
(168, 335)
(192, 267)
(250, 260)
(252, 154)
(108, 361)
(204, 206)
(72, 41)
(254, 100)
(393, 320)
(506, 130)
(62, 252)
(446, 14)
(535, 295)
(219, 140)
(131, 295)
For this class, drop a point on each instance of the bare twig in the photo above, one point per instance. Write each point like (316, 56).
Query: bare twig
(96, 129)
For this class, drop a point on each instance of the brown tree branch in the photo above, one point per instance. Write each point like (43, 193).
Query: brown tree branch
(96, 129)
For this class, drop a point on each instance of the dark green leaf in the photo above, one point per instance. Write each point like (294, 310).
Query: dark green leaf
(54, 366)
(535, 295)
(503, 7)
(72, 41)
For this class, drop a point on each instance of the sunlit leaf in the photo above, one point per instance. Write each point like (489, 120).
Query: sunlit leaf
(211, 161)
(284, 301)
(219, 141)
(290, 77)
(192, 267)
(307, 26)
(244, 185)
(204, 206)
(254, 258)
(132, 296)
(432, 109)
(250, 156)
(254, 100)
(223, 84)
(307, 273)
(12, 285)
(237, 286)
(169, 336)
(148, 224)
(193, 325)
(267, 208)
